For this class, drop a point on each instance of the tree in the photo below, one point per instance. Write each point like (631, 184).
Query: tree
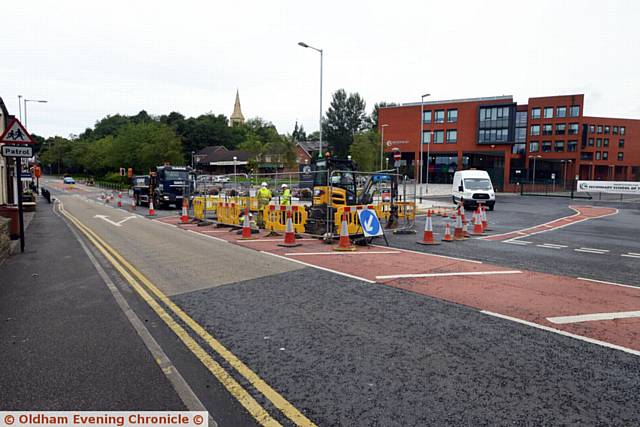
(298, 133)
(376, 109)
(365, 150)
(345, 117)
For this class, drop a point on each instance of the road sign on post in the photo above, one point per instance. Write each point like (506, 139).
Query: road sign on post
(397, 155)
(15, 133)
(17, 151)
(370, 223)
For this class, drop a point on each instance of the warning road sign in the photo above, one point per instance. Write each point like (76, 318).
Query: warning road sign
(370, 223)
(15, 133)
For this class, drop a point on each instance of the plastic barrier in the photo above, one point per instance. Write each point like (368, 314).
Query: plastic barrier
(242, 202)
(198, 208)
(275, 217)
(405, 209)
(228, 213)
(351, 215)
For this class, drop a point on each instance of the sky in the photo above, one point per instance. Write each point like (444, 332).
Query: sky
(90, 59)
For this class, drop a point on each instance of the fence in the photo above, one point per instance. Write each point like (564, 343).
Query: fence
(550, 189)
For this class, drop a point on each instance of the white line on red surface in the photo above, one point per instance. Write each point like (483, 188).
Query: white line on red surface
(459, 273)
(637, 288)
(562, 320)
(342, 253)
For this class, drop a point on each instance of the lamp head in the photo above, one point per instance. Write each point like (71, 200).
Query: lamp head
(303, 44)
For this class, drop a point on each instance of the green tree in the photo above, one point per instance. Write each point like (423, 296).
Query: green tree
(298, 133)
(345, 117)
(375, 112)
(365, 150)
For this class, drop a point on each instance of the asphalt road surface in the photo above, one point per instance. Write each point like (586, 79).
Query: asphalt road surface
(343, 345)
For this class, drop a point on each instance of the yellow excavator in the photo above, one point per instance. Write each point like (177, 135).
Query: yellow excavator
(335, 184)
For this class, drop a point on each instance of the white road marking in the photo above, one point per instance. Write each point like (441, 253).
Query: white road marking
(461, 273)
(429, 254)
(631, 255)
(118, 223)
(566, 334)
(551, 246)
(164, 223)
(320, 268)
(207, 236)
(517, 242)
(592, 251)
(637, 288)
(341, 253)
(562, 320)
(275, 239)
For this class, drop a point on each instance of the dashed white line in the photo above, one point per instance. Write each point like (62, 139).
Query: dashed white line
(562, 320)
(460, 273)
(551, 246)
(342, 253)
(517, 242)
(631, 255)
(637, 288)
(592, 251)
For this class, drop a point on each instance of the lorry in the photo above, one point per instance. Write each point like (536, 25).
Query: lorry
(166, 186)
(472, 188)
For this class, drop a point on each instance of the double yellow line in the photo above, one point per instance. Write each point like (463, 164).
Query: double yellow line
(147, 290)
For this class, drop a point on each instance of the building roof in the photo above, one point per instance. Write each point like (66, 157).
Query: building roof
(310, 146)
(218, 155)
(237, 116)
(508, 98)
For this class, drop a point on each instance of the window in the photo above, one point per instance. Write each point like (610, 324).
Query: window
(621, 143)
(599, 142)
(607, 129)
(494, 124)
(586, 155)
(439, 118)
(548, 112)
(426, 116)
(599, 129)
(452, 136)
(546, 146)
(598, 155)
(561, 112)
(574, 111)
(605, 143)
(518, 148)
(615, 130)
(426, 137)
(521, 134)
(452, 116)
(547, 129)
(535, 113)
(561, 128)
(620, 156)
(535, 129)
(573, 128)
(438, 136)
(533, 147)
(592, 129)
(521, 118)
(622, 130)
(590, 142)
(572, 146)
(605, 155)
(559, 146)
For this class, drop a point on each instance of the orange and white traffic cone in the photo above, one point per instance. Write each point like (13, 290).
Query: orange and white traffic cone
(458, 234)
(152, 211)
(344, 244)
(447, 233)
(485, 223)
(465, 227)
(133, 203)
(427, 237)
(289, 234)
(246, 225)
(120, 199)
(184, 218)
(478, 230)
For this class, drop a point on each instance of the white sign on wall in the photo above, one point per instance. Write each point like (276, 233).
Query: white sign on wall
(614, 187)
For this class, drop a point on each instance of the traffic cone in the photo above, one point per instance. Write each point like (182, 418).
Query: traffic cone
(120, 199)
(289, 234)
(427, 237)
(246, 225)
(447, 233)
(458, 234)
(344, 244)
(477, 223)
(152, 211)
(485, 223)
(133, 203)
(465, 227)
(184, 218)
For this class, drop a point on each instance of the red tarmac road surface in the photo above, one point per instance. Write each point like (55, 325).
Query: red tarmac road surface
(583, 213)
(521, 294)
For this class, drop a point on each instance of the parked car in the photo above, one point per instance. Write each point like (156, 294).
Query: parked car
(68, 180)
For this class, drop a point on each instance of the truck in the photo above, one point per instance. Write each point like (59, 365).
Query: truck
(166, 186)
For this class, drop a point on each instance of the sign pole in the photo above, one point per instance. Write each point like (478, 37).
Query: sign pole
(20, 211)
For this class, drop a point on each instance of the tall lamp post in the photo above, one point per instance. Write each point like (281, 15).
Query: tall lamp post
(42, 101)
(235, 176)
(303, 44)
(421, 139)
(534, 169)
(382, 143)
(20, 106)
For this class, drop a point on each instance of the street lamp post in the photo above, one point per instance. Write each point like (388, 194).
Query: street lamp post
(20, 106)
(420, 139)
(382, 143)
(303, 44)
(534, 169)
(42, 101)
(235, 176)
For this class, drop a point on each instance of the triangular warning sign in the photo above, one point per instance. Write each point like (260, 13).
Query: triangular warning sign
(15, 133)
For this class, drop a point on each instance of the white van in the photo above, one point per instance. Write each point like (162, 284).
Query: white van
(473, 187)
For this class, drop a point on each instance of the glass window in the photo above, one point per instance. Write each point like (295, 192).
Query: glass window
(426, 136)
(535, 129)
(518, 148)
(599, 129)
(547, 129)
(452, 136)
(521, 118)
(605, 142)
(573, 128)
(452, 116)
(561, 112)
(622, 130)
(605, 155)
(559, 146)
(620, 156)
(439, 116)
(561, 128)
(607, 129)
(533, 147)
(621, 143)
(615, 130)
(438, 137)
(592, 128)
(548, 112)
(535, 113)
(546, 146)
(586, 155)
(426, 116)
(574, 111)
(521, 134)
(599, 142)
(590, 142)
(572, 145)
(598, 155)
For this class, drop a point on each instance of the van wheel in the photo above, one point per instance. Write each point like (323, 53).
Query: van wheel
(491, 207)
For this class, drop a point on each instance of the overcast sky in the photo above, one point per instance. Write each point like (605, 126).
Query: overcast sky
(93, 58)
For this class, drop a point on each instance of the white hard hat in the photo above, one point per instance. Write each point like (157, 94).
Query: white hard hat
(264, 184)
(284, 185)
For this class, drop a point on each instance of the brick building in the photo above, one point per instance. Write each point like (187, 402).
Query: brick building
(506, 139)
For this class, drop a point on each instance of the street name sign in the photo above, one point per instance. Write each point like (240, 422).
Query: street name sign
(17, 151)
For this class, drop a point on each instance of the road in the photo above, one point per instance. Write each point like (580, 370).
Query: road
(408, 335)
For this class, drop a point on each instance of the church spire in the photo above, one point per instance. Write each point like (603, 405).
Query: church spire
(236, 117)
